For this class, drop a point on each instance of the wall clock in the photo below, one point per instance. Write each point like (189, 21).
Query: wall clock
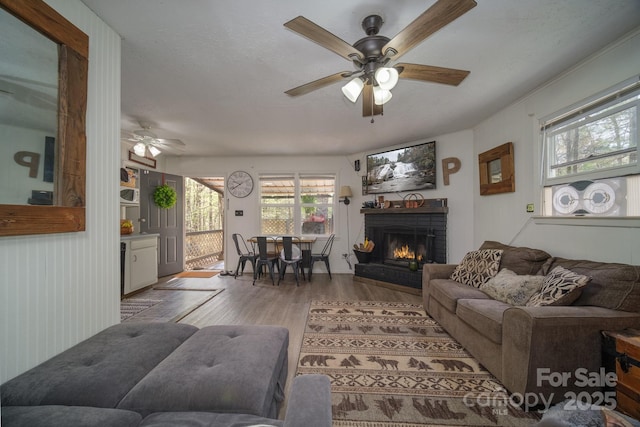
(240, 184)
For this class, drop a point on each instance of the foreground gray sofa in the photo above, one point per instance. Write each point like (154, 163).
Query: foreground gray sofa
(167, 374)
(514, 342)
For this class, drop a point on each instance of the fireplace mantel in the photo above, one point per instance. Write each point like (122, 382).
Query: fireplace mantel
(429, 206)
(391, 211)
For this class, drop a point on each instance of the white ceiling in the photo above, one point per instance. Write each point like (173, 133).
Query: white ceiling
(213, 73)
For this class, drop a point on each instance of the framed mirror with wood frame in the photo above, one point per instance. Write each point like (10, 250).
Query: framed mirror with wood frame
(67, 212)
(497, 173)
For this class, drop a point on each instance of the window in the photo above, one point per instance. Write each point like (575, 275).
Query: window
(596, 139)
(316, 203)
(297, 204)
(591, 152)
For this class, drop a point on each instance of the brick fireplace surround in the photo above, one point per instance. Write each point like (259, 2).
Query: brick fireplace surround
(417, 233)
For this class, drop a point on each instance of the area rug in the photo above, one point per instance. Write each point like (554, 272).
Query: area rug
(199, 274)
(390, 364)
(131, 307)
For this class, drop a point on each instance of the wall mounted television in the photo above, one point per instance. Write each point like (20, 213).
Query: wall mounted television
(410, 168)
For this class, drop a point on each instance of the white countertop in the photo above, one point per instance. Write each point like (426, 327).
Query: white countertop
(138, 236)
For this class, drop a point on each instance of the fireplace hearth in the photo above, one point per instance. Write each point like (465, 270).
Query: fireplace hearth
(402, 235)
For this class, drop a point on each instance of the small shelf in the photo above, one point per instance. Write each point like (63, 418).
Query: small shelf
(422, 210)
(398, 207)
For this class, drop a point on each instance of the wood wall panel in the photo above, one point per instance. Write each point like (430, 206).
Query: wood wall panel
(58, 289)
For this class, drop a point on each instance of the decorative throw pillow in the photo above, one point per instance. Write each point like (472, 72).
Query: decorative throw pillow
(560, 287)
(512, 288)
(477, 267)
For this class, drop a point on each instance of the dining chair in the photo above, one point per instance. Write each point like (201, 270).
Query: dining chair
(265, 258)
(291, 254)
(244, 253)
(322, 256)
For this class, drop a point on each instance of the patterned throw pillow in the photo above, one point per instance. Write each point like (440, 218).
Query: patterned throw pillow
(477, 267)
(560, 287)
(512, 288)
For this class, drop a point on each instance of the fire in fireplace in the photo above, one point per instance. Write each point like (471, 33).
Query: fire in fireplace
(405, 253)
(401, 247)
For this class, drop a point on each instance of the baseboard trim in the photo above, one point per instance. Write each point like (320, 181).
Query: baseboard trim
(406, 289)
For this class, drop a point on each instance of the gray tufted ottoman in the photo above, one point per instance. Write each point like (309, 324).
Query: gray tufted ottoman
(131, 370)
(237, 369)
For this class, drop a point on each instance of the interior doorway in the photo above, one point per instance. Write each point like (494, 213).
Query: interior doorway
(167, 223)
(204, 223)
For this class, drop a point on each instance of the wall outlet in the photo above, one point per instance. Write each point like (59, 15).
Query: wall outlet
(530, 207)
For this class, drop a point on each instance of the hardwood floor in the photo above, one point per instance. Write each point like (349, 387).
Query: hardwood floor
(286, 305)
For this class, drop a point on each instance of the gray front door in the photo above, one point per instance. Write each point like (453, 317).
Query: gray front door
(169, 223)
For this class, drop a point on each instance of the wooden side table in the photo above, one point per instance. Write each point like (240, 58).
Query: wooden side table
(623, 349)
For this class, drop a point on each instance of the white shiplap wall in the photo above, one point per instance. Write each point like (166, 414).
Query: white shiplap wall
(58, 289)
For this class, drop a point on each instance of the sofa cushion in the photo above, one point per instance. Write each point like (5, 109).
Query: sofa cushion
(615, 286)
(447, 292)
(520, 260)
(477, 267)
(100, 370)
(483, 315)
(207, 419)
(512, 288)
(560, 287)
(68, 416)
(226, 368)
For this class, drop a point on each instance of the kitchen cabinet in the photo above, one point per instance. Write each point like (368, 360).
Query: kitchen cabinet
(140, 261)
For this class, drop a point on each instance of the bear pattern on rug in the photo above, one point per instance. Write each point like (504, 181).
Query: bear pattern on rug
(390, 364)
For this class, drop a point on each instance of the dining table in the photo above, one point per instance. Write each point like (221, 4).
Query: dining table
(306, 243)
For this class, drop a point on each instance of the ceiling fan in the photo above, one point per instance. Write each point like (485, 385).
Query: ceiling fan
(146, 141)
(371, 55)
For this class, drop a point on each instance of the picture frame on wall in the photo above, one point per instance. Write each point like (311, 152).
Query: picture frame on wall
(410, 168)
(146, 161)
(497, 173)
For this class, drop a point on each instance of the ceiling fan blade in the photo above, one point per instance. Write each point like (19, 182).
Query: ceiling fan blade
(162, 141)
(429, 73)
(437, 16)
(317, 84)
(324, 38)
(369, 108)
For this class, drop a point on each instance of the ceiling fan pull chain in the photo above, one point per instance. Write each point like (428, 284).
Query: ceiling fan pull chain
(372, 97)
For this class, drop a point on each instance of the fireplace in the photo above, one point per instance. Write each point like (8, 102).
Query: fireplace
(402, 246)
(401, 235)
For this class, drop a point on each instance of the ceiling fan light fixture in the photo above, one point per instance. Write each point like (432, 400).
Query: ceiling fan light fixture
(139, 149)
(154, 150)
(381, 96)
(353, 89)
(386, 77)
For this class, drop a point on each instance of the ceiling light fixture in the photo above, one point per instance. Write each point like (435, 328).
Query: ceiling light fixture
(353, 89)
(386, 77)
(139, 149)
(383, 80)
(381, 96)
(153, 150)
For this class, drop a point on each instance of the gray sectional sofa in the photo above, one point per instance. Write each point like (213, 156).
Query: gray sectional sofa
(167, 374)
(520, 344)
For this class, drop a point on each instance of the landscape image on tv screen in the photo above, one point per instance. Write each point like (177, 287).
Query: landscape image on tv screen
(405, 169)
